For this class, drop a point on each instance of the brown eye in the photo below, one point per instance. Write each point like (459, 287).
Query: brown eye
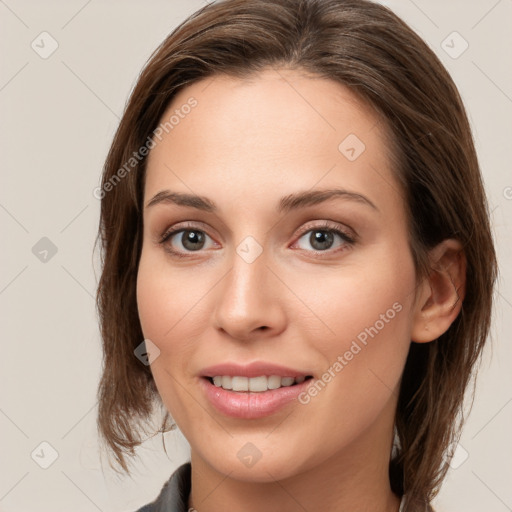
(192, 240)
(323, 239)
(184, 241)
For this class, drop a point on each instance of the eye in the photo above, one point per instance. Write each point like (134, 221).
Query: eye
(180, 241)
(325, 238)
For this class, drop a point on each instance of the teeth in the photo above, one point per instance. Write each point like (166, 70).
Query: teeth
(274, 382)
(226, 382)
(258, 384)
(240, 383)
(255, 384)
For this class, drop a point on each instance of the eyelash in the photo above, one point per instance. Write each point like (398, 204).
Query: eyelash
(326, 226)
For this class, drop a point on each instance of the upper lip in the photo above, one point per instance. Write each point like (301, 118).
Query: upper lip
(254, 369)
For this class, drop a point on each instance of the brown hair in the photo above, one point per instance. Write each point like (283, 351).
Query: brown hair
(367, 48)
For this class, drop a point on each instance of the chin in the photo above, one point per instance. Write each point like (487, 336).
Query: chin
(245, 462)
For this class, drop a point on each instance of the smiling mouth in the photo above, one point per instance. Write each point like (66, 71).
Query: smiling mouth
(259, 384)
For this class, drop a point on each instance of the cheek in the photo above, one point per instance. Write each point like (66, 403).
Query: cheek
(172, 313)
(365, 301)
(365, 316)
(167, 299)
(159, 313)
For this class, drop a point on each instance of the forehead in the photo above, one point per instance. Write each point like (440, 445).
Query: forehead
(275, 130)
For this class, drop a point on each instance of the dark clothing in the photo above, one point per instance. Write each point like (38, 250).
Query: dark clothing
(174, 494)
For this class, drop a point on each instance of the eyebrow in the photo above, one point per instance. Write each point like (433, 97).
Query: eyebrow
(287, 203)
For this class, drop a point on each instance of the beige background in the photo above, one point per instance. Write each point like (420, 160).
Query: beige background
(58, 117)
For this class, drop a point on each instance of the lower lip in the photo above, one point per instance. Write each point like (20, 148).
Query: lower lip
(249, 405)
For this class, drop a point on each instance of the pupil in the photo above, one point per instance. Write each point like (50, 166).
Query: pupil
(322, 238)
(192, 238)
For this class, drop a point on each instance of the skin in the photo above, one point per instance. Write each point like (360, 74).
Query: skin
(245, 145)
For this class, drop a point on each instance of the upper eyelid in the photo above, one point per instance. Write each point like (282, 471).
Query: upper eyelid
(186, 225)
(328, 225)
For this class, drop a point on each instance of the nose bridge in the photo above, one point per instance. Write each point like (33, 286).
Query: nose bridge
(247, 299)
(247, 282)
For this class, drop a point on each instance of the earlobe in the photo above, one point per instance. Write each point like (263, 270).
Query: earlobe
(440, 296)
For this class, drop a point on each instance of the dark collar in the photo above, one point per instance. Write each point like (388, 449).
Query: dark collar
(174, 494)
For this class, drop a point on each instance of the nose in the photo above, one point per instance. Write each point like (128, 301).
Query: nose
(249, 301)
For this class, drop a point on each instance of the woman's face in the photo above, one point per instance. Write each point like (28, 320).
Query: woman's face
(268, 282)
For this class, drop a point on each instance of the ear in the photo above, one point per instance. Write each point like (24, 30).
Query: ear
(439, 297)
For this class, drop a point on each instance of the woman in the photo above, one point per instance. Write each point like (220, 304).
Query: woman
(297, 260)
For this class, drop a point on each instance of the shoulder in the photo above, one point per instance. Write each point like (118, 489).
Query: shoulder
(174, 494)
(146, 508)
